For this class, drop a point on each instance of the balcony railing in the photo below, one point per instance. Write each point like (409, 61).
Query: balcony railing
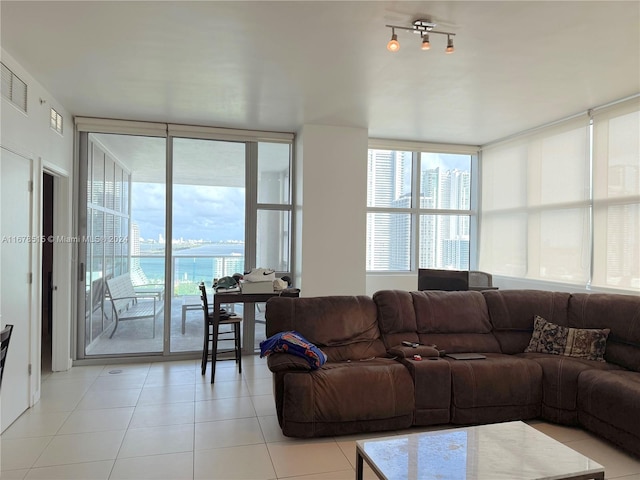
(186, 273)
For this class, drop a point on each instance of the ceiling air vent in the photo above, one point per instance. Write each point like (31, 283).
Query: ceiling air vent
(14, 89)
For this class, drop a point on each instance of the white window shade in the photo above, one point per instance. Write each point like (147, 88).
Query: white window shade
(616, 196)
(535, 204)
(503, 241)
(504, 174)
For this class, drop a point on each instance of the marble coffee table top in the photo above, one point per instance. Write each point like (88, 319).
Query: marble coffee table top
(510, 450)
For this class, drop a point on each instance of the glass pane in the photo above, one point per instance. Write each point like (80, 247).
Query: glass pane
(503, 244)
(564, 245)
(504, 177)
(389, 179)
(135, 169)
(109, 184)
(444, 242)
(623, 246)
(563, 160)
(623, 155)
(98, 180)
(208, 228)
(445, 181)
(274, 173)
(273, 240)
(388, 241)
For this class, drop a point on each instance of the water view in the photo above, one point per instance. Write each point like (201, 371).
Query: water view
(192, 263)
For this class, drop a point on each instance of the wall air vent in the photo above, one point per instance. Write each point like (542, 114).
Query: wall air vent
(14, 89)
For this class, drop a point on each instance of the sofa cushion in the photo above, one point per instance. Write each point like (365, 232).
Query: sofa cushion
(396, 317)
(512, 313)
(588, 343)
(346, 397)
(560, 384)
(496, 389)
(432, 385)
(344, 327)
(454, 321)
(608, 405)
(619, 313)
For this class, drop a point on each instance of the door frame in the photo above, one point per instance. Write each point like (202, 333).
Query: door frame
(63, 266)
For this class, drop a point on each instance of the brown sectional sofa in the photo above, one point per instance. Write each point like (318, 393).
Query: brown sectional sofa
(371, 382)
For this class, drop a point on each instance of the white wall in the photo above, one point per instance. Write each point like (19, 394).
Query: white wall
(391, 281)
(330, 207)
(30, 136)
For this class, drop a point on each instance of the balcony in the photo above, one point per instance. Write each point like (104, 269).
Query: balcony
(134, 337)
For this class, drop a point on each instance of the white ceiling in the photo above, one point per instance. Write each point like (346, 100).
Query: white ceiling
(279, 65)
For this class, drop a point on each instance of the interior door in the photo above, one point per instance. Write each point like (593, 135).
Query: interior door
(15, 287)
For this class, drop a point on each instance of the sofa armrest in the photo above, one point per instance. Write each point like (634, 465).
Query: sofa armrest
(280, 362)
(402, 351)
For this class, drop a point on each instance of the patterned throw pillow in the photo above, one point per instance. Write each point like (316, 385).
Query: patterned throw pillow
(588, 343)
(294, 343)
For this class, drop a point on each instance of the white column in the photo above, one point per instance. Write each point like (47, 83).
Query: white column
(331, 196)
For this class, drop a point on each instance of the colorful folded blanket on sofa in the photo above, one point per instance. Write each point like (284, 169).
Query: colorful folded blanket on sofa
(295, 344)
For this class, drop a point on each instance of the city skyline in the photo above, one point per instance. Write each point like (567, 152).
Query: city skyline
(445, 183)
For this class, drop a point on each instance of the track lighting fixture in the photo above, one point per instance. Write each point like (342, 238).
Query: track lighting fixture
(393, 45)
(423, 28)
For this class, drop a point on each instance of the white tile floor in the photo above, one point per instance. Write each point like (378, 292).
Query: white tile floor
(165, 421)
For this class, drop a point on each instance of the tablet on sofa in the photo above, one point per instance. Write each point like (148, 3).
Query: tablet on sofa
(466, 356)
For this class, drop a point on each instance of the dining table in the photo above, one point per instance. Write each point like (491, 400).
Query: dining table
(247, 300)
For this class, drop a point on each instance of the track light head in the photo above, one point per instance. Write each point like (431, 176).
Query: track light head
(393, 45)
(426, 45)
(449, 48)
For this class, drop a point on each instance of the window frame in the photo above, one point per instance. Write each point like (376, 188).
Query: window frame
(415, 211)
(84, 126)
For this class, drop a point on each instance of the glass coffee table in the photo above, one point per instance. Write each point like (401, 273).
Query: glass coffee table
(510, 450)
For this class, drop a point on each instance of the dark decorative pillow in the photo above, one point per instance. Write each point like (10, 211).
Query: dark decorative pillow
(547, 337)
(294, 343)
(588, 343)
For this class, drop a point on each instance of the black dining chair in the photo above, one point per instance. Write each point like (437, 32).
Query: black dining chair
(5, 337)
(213, 335)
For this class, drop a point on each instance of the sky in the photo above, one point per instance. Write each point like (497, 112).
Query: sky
(199, 212)
(215, 214)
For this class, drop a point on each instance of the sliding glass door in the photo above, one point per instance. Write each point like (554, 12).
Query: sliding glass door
(208, 228)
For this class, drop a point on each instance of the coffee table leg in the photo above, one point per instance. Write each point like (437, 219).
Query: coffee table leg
(359, 465)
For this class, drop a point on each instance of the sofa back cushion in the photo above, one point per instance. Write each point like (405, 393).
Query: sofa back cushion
(456, 321)
(620, 314)
(396, 317)
(453, 321)
(344, 327)
(512, 313)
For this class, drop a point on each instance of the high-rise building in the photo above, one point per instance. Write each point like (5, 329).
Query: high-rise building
(444, 239)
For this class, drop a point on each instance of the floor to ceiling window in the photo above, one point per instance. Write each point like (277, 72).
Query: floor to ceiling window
(227, 197)
(561, 203)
